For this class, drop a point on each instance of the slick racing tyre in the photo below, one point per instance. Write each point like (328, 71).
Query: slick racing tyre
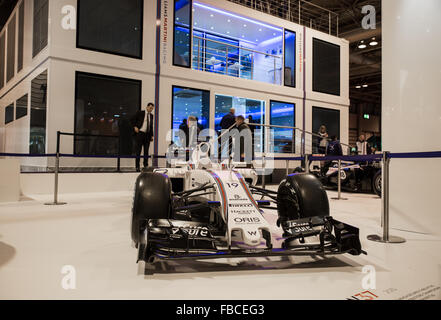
(301, 196)
(376, 183)
(152, 200)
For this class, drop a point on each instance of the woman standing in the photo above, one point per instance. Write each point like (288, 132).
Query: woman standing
(323, 140)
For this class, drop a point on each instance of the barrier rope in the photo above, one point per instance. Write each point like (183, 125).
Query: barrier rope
(371, 157)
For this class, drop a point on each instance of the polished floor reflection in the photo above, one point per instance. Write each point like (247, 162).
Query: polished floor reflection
(91, 234)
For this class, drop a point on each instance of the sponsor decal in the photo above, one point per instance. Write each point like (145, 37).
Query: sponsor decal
(245, 211)
(247, 220)
(193, 231)
(240, 205)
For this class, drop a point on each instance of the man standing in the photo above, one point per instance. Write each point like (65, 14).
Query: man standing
(143, 127)
(363, 147)
(228, 120)
(226, 123)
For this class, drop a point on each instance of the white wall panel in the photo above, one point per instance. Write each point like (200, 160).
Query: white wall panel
(412, 110)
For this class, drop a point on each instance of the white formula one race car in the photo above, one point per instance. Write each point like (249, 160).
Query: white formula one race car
(202, 210)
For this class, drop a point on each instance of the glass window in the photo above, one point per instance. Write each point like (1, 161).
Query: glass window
(111, 26)
(21, 107)
(9, 114)
(290, 58)
(20, 37)
(182, 31)
(252, 110)
(326, 67)
(229, 44)
(324, 117)
(41, 20)
(283, 114)
(37, 143)
(189, 102)
(2, 60)
(11, 50)
(104, 106)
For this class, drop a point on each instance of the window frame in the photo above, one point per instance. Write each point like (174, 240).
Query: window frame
(295, 58)
(36, 51)
(313, 68)
(141, 53)
(184, 87)
(294, 118)
(103, 76)
(27, 107)
(12, 105)
(10, 47)
(20, 36)
(190, 30)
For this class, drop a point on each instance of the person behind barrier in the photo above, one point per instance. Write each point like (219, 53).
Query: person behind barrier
(363, 147)
(334, 149)
(143, 129)
(242, 127)
(226, 123)
(184, 127)
(323, 139)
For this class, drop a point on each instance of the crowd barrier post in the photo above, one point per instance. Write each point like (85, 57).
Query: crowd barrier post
(339, 197)
(57, 170)
(386, 237)
(306, 163)
(263, 171)
(287, 167)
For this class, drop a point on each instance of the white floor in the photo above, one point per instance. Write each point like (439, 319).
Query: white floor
(91, 234)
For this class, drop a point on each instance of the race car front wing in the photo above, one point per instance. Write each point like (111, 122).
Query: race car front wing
(176, 239)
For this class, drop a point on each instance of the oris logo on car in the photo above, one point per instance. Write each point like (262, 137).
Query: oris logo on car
(246, 220)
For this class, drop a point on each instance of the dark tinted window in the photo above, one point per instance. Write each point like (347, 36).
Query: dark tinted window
(41, 20)
(2, 60)
(290, 58)
(330, 119)
(182, 38)
(37, 143)
(11, 50)
(9, 114)
(326, 67)
(112, 26)
(105, 106)
(20, 37)
(21, 107)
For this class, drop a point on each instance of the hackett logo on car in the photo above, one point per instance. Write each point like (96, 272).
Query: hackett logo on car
(246, 211)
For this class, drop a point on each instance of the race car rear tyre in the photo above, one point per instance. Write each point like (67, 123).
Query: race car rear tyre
(152, 200)
(301, 195)
(376, 183)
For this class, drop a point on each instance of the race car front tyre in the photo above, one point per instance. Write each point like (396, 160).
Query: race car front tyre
(300, 196)
(376, 183)
(152, 200)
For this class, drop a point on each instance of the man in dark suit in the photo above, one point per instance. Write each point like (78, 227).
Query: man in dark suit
(228, 120)
(143, 127)
(226, 123)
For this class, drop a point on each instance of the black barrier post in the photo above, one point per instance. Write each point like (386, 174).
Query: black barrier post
(57, 170)
(386, 238)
